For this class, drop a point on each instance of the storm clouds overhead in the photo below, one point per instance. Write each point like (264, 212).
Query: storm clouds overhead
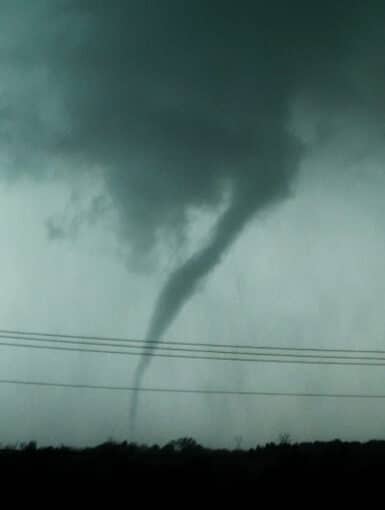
(174, 103)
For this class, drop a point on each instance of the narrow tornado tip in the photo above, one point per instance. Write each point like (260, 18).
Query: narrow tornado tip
(137, 384)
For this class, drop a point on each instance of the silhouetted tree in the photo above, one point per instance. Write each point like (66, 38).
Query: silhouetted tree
(184, 444)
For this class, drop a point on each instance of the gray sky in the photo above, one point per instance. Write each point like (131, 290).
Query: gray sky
(127, 129)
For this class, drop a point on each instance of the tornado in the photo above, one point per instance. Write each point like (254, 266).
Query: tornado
(280, 160)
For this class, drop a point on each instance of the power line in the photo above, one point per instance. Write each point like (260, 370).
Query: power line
(190, 357)
(163, 348)
(191, 391)
(191, 344)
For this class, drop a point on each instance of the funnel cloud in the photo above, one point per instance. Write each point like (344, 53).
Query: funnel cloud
(278, 165)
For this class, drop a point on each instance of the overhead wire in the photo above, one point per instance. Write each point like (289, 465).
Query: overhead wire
(161, 348)
(189, 351)
(197, 391)
(183, 343)
(316, 361)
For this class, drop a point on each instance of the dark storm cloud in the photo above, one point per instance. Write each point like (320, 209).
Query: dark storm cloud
(169, 99)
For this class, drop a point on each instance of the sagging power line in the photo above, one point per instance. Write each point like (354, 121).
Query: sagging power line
(275, 358)
(182, 349)
(191, 391)
(140, 342)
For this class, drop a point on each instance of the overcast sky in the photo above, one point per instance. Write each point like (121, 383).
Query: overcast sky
(206, 171)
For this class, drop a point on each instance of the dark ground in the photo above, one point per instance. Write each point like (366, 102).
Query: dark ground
(120, 470)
